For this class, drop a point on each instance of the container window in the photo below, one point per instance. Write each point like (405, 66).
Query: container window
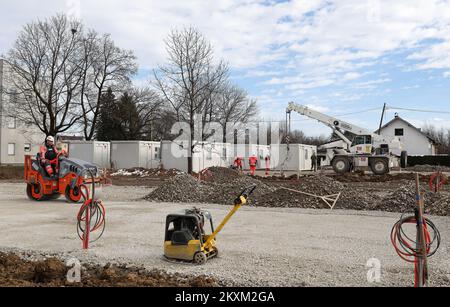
(11, 122)
(11, 149)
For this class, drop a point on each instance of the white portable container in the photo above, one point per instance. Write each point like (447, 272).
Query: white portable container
(297, 158)
(91, 151)
(130, 154)
(174, 155)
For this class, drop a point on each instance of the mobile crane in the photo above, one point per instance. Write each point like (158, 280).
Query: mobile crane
(366, 151)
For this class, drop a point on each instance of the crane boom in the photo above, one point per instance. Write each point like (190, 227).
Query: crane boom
(332, 122)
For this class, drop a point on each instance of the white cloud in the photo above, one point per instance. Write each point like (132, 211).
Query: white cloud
(293, 46)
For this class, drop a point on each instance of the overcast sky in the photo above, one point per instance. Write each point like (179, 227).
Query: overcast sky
(339, 56)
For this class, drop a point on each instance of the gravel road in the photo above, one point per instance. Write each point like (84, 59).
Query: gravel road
(259, 247)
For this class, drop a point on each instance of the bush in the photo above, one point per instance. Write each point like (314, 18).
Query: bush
(443, 160)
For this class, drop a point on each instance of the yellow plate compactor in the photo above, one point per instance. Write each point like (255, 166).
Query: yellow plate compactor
(186, 238)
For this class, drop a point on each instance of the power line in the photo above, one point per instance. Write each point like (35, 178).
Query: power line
(417, 110)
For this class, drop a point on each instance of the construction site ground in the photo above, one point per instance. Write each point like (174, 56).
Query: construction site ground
(261, 246)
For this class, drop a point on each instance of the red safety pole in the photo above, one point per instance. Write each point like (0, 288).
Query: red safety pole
(87, 227)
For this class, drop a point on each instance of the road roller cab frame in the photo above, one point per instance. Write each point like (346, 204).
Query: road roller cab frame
(40, 186)
(186, 238)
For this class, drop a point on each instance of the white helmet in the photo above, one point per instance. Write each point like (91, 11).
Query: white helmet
(50, 139)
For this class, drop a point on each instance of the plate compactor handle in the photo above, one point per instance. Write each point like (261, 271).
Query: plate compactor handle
(245, 194)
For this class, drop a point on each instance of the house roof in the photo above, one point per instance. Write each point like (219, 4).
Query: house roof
(410, 125)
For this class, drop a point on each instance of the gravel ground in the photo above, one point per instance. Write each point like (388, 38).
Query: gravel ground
(259, 247)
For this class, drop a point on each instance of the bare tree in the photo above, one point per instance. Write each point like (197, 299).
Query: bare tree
(61, 72)
(440, 136)
(233, 107)
(105, 66)
(46, 73)
(149, 107)
(189, 78)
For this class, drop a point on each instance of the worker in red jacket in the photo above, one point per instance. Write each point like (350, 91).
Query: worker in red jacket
(48, 155)
(253, 161)
(238, 163)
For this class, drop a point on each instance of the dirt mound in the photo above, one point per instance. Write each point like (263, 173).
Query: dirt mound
(317, 185)
(181, 188)
(428, 168)
(350, 197)
(403, 199)
(440, 207)
(220, 174)
(220, 190)
(14, 271)
(225, 184)
(359, 177)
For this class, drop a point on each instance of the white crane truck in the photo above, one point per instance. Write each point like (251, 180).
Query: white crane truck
(367, 151)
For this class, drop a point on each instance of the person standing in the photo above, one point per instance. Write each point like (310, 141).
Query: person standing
(314, 162)
(238, 164)
(267, 165)
(253, 161)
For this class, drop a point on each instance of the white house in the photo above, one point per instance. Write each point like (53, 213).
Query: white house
(16, 139)
(414, 140)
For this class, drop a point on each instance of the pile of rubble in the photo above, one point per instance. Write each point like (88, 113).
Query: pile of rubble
(219, 190)
(52, 272)
(221, 186)
(428, 168)
(360, 177)
(316, 185)
(403, 199)
(219, 174)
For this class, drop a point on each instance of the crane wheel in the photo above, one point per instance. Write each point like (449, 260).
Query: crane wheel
(200, 258)
(379, 166)
(341, 165)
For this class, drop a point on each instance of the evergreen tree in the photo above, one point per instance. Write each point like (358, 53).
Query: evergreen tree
(127, 112)
(108, 126)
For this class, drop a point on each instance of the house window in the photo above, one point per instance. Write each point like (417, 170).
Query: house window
(11, 122)
(27, 147)
(11, 149)
(399, 132)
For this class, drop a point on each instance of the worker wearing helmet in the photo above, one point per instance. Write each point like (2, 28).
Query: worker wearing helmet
(253, 161)
(48, 155)
(238, 163)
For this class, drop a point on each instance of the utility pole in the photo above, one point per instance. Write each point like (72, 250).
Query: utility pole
(382, 118)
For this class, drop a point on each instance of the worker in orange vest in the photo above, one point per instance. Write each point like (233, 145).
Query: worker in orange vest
(238, 164)
(253, 161)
